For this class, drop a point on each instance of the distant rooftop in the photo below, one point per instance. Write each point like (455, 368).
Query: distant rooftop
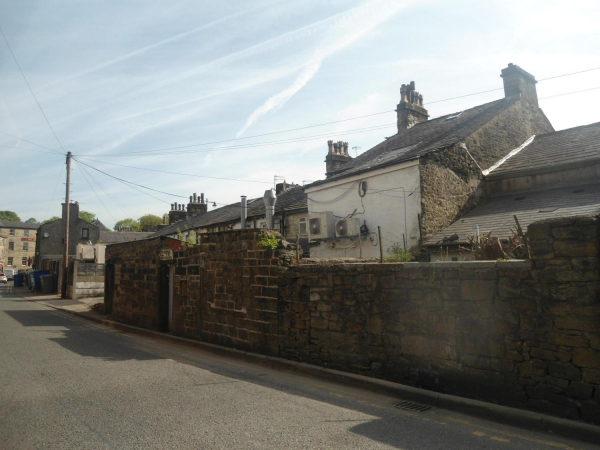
(23, 225)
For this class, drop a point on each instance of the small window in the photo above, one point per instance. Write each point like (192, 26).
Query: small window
(25, 246)
(302, 226)
(26, 233)
(11, 245)
(10, 260)
(24, 261)
(11, 232)
(85, 233)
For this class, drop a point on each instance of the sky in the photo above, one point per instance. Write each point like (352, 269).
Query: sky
(210, 90)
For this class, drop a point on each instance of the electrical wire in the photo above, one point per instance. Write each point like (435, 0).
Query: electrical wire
(27, 149)
(94, 190)
(31, 90)
(54, 190)
(107, 192)
(357, 117)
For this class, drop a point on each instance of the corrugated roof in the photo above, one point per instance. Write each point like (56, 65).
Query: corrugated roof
(114, 237)
(290, 200)
(423, 138)
(497, 213)
(553, 150)
(24, 225)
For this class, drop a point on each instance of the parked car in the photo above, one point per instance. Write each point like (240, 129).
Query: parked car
(10, 273)
(3, 278)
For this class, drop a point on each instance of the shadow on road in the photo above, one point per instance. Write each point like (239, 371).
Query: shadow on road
(81, 338)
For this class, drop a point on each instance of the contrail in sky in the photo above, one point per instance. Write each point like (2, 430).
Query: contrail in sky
(356, 23)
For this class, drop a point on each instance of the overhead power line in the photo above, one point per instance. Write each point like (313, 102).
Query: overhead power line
(31, 90)
(345, 120)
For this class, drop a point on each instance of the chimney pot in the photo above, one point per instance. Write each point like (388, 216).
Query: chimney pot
(195, 198)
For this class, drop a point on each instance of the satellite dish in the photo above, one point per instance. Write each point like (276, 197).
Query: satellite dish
(46, 234)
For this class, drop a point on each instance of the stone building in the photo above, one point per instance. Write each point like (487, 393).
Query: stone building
(17, 244)
(49, 246)
(420, 180)
(548, 176)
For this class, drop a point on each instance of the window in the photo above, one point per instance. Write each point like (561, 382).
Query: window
(11, 245)
(302, 227)
(25, 246)
(10, 258)
(24, 261)
(11, 232)
(26, 233)
(85, 233)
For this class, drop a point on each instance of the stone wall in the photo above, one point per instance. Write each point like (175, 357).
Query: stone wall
(226, 292)
(449, 187)
(136, 288)
(521, 333)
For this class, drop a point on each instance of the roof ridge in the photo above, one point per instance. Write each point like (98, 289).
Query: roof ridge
(566, 130)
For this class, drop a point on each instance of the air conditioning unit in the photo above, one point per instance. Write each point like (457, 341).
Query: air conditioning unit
(321, 225)
(347, 227)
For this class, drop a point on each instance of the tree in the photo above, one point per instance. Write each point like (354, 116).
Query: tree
(31, 220)
(87, 216)
(149, 219)
(9, 216)
(51, 219)
(129, 223)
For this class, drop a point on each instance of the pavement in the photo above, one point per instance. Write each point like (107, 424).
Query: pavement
(71, 379)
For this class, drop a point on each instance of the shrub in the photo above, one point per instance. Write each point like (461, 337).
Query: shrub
(398, 254)
(268, 241)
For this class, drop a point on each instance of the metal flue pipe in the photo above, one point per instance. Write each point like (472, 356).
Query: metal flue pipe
(270, 198)
(244, 214)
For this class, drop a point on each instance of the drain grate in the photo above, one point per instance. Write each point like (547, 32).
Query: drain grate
(412, 406)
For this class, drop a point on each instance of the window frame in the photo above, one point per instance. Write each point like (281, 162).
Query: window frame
(12, 232)
(26, 233)
(10, 261)
(303, 221)
(24, 261)
(25, 246)
(11, 246)
(85, 233)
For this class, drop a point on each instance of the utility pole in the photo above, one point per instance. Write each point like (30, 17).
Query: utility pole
(65, 268)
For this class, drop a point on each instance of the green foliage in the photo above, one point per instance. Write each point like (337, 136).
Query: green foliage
(398, 254)
(87, 216)
(268, 240)
(51, 219)
(149, 219)
(10, 216)
(31, 220)
(128, 224)
(192, 239)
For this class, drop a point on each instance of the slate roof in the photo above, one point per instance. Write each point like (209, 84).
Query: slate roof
(291, 200)
(100, 225)
(496, 214)
(553, 150)
(20, 225)
(115, 237)
(423, 138)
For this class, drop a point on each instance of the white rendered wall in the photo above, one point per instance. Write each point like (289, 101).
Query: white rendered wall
(384, 205)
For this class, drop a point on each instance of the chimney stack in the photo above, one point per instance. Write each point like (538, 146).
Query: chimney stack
(410, 110)
(196, 206)
(336, 158)
(176, 214)
(519, 82)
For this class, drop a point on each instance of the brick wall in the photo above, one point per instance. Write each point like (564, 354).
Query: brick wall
(521, 333)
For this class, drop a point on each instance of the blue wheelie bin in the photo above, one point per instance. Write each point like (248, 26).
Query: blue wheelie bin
(18, 280)
(36, 279)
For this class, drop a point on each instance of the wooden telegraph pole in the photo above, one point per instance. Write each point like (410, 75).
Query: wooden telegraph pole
(67, 220)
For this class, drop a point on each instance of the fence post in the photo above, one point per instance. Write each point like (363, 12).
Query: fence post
(380, 245)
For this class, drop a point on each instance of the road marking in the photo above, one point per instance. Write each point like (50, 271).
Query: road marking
(496, 438)
(479, 433)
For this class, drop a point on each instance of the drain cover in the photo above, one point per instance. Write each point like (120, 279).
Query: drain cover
(411, 406)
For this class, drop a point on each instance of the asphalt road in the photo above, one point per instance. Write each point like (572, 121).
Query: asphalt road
(68, 383)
